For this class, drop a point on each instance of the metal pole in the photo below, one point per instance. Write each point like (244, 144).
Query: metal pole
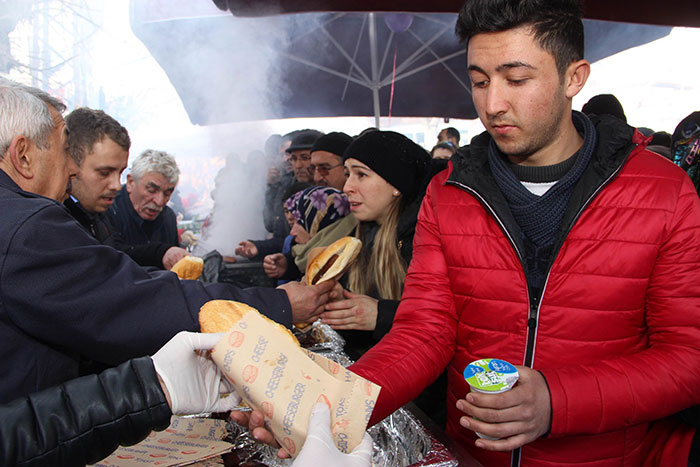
(375, 70)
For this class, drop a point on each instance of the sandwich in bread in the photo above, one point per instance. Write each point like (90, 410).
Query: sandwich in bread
(333, 261)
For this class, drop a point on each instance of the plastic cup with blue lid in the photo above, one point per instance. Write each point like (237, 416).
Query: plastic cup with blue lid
(490, 376)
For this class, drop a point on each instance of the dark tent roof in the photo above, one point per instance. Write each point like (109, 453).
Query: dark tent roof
(669, 12)
(326, 68)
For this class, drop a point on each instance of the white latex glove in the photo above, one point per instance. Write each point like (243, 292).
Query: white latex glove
(191, 377)
(319, 447)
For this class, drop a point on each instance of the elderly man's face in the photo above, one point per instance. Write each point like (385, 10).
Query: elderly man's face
(149, 194)
(98, 179)
(54, 167)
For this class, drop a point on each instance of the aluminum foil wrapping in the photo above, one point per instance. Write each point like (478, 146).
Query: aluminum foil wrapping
(399, 440)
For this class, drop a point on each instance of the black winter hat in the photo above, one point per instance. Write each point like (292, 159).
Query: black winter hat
(604, 104)
(335, 142)
(395, 158)
(304, 140)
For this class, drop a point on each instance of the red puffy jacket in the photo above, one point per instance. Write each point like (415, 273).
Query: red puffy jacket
(616, 332)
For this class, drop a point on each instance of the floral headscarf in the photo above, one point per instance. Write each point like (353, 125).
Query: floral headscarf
(317, 207)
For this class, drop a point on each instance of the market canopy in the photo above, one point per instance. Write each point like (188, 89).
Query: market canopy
(667, 13)
(340, 63)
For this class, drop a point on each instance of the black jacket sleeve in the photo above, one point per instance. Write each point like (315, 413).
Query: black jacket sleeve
(84, 420)
(59, 285)
(386, 310)
(268, 246)
(292, 273)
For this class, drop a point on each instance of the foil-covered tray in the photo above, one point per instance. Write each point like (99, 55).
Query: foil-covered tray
(399, 440)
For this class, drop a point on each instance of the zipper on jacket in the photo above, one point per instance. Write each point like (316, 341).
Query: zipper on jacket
(535, 301)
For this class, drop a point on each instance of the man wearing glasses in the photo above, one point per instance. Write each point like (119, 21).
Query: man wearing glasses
(327, 160)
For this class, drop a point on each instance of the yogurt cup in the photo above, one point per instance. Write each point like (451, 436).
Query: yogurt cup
(490, 376)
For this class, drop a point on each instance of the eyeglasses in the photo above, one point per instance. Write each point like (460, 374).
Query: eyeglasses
(323, 169)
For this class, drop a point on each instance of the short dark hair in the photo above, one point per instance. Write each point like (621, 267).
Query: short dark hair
(88, 126)
(452, 132)
(556, 24)
(444, 145)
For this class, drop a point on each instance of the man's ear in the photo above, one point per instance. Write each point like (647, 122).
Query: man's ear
(129, 183)
(576, 76)
(21, 156)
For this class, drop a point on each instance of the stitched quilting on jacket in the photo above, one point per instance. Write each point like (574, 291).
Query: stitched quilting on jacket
(620, 310)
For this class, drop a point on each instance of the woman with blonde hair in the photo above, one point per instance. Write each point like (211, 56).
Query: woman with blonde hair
(386, 179)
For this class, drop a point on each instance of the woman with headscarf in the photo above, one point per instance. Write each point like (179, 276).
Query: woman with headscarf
(312, 209)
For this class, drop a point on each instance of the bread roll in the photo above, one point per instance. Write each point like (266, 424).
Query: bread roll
(332, 262)
(189, 267)
(222, 315)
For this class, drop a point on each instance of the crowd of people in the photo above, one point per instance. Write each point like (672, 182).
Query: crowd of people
(562, 241)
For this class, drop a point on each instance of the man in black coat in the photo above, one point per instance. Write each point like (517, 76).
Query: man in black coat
(64, 296)
(99, 146)
(140, 211)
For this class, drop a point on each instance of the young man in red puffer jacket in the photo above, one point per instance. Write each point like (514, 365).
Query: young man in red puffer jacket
(556, 242)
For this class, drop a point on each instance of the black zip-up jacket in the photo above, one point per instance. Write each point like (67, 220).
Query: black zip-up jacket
(137, 231)
(65, 298)
(101, 227)
(84, 420)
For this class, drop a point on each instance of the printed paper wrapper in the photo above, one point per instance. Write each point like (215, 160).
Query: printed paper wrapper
(284, 381)
(185, 441)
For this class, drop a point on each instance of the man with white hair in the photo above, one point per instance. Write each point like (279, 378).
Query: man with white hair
(99, 146)
(64, 297)
(140, 210)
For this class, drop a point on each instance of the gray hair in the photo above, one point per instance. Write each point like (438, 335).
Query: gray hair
(160, 162)
(26, 111)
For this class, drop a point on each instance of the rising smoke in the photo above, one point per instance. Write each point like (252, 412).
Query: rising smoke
(225, 70)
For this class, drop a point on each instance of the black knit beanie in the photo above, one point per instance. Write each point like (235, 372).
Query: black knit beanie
(395, 158)
(334, 142)
(604, 104)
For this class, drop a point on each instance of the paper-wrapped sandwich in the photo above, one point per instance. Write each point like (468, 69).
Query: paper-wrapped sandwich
(189, 267)
(283, 381)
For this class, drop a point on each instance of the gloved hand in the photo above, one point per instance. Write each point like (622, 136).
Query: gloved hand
(319, 447)
(191, 377)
